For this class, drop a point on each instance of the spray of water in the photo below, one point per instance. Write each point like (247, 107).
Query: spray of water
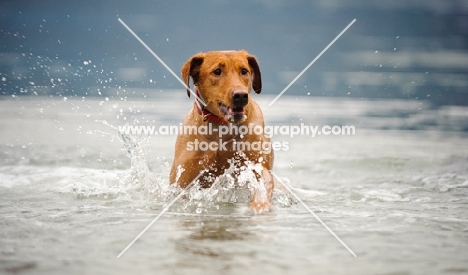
(234, 187)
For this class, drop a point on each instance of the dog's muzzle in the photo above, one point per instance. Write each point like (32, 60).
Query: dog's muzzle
(240, 98)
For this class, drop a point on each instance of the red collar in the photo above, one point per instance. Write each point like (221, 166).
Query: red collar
(207, 115)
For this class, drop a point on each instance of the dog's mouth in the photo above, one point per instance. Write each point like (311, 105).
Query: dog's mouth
(233, 115)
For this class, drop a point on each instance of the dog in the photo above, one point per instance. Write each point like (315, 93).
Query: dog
(222, 84)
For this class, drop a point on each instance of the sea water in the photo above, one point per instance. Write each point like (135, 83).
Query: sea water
(74, 193)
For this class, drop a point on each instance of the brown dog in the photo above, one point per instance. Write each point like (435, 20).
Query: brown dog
(222, 80)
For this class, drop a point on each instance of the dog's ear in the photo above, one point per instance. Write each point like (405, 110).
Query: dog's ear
(257, 76)
(191, 68)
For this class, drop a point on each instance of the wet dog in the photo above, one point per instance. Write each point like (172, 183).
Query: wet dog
(223, 81)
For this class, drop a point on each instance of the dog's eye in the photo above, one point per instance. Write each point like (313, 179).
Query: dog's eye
(244, 71)
(217, 72)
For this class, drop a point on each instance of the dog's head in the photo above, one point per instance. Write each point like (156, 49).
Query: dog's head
(223, 80)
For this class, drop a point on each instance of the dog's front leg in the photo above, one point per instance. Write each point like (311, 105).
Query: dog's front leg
(261, 197)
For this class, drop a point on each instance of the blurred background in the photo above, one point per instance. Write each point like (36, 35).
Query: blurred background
(400, 49)
(74, 193)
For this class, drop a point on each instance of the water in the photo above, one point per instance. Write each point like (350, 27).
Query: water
(74, 193)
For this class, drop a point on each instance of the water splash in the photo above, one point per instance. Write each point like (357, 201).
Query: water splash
(234, 187)
(139, 175)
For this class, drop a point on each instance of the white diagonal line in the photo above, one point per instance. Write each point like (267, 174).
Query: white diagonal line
(162, 212)
(313, 214)
(162, 62)
(311, 63)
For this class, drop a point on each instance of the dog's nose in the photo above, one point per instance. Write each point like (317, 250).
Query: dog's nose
(240, 98)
